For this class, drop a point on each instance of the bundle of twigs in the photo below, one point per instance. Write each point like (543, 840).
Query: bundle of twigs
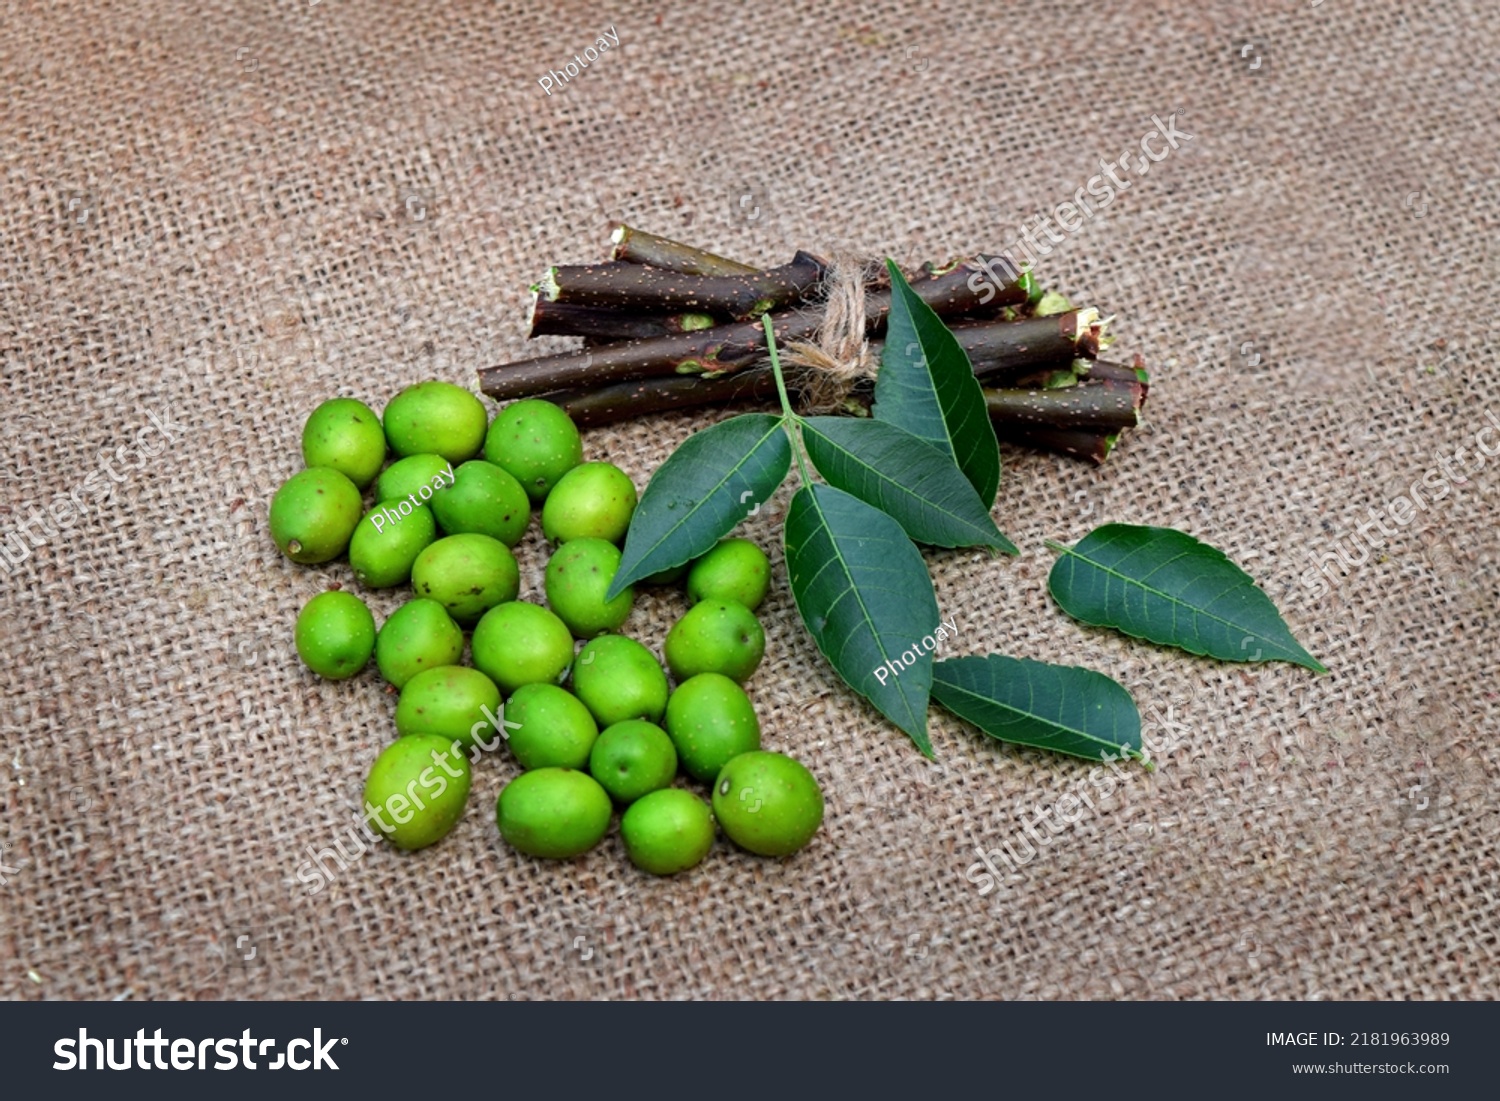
(669, 326)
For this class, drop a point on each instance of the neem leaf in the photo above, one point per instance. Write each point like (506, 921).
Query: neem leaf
(926, 385)
(866, 598)
(1058, 707)
(1163, 585)
(716, 478)
(905, 477)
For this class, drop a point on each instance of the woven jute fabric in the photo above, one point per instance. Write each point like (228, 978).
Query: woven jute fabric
(218, 215)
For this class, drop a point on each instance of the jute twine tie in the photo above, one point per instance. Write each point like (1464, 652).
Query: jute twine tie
(839, 355)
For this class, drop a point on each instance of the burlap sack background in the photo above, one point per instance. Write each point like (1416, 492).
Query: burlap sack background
(218, 215)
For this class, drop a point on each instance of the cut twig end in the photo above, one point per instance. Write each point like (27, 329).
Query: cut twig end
(547, 285)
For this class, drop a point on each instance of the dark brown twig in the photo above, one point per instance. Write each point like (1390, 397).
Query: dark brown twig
(1008, 347)
(1082, 444)
(723, 349)
(636, 246)
(628, 400)
(562, 319)
(998, 349)
(1092, 405)
(643, 289)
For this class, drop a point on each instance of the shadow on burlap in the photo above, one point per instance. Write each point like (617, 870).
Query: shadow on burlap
(216, 218)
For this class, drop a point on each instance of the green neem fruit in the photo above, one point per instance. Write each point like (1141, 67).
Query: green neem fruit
(485, 499)
(313, 515)
(346, 435)
(736, 569)
(457, 702)
(535, 442)
(711, 722)
(768, 803)
(633, 758)
(467, 574)
(578, 575)
(715, 636)
(553, 812)
(667, 831)
(591, 501)
(417, 790)
(617, 679)
(335, 634)
(419, 635)
(436, 418)
(387, 542)
(520, 643)
(414, 478)
(549, 728)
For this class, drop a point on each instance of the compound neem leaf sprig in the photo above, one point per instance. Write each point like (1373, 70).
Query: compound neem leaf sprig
(923, 468)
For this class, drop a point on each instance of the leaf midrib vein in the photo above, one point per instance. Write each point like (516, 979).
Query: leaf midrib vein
(858, 596)
(709, 496)
(1174, 601)
(1035, 717)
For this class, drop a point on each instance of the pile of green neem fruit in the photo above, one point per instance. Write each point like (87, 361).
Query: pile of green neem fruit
(446, 513)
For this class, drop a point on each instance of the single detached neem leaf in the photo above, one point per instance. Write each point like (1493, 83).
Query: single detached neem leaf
(926, 385)
(907, 478)
(1163, 585)
(1059, 707)
(716, 478)
(866, 598)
